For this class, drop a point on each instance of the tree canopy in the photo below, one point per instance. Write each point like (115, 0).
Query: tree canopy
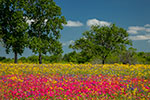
(102, 41)
(44, 30)
(13, 26)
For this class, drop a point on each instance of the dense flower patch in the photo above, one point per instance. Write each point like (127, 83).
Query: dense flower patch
(71, 81)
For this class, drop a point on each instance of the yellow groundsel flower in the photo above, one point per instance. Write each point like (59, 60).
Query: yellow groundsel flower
(110, 69)
(20, 80)
(134, 91)
(143, 99)
(13, 78)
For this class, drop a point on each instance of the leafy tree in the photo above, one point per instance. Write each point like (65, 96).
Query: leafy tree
(102, 41)
(32, 59)
(83, 57)
(46, 23)
(22, 60)
(76, 57)
(7, 60)
(128, 56)
(143, 57)
(55, 58)
(71, 57)
(111, 59)
(13, 26)
(2, 58)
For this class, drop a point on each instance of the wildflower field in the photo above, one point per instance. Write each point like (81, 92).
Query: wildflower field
(74, 82)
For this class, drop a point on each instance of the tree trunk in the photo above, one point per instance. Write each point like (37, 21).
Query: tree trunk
(40, 58)
(15, 57)
(103, 61)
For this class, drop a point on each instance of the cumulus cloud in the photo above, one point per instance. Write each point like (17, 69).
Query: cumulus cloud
(69, 23)
(147, 30)
(140, 37)
(147, 25)
(45, 21)
(73, 23)
(135, 29)
(91, 22)
(68, 43)
(138, 29)
(30, 21)
(132, 31)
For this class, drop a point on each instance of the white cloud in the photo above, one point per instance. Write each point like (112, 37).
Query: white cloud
(138, 29)
(91, 22)
(135, 29)
(147, 25)
(30, 21)
(73, 23)
(68, 43)
(45, 21)
(132, 31)
(147, 30)
(148, 41)
(140, 37)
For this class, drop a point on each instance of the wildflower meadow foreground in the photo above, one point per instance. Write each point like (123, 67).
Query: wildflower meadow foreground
(74, 82)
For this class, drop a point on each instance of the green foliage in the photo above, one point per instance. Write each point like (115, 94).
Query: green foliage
(76, 57)
(32, 59)
(128, 56)
(143, 57)
(23, 60)
(44, 31)
(6, 60)
(46, 59)
(102, 41)
(2, 58)
(13, 26)
(71, 57)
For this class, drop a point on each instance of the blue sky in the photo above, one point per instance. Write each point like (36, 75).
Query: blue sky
(132, 15)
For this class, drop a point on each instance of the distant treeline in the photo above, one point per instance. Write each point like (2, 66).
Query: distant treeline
(129, 56)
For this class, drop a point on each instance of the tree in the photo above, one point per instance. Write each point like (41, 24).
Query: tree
(46, 23)
(32, 59)
(143, 57)
(76, 57)
(13, 26)
(22, 60)
(2, 58)
(71, 57)
(102, 41)
(128, 56)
